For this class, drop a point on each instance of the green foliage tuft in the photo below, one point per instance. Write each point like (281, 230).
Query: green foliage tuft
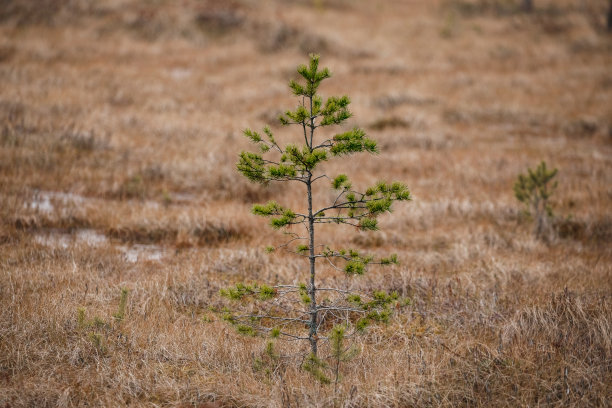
(266, 292)
(285, 216)
(281, 171)
(354, 267)
(353, 141)
(285, 219)
(381, 298)
(271, 208)
(315, 367)
(354, 298)
(254, 136)
(339, 181)
(228, 317)
(245, 330)
(379, 206)
(380, 316)
(362, 324)
(238, 292)
(368, 224)
(335, 111)
(392, 259)
(241, 291)
(251, 165)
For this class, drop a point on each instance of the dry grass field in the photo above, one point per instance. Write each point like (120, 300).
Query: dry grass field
(120, 126)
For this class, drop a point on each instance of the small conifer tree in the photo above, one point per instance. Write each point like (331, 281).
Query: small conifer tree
(307, 311)
(122, 305)
(534, 190)
(338, 352)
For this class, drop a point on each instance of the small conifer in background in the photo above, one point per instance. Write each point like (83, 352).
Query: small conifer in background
(122, 305)
(534, 189)
(307, 311)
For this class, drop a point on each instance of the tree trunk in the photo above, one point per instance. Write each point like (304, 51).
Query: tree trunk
(312, 334)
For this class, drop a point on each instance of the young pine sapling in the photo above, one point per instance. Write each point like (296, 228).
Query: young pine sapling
(308, 311)
(534, 190)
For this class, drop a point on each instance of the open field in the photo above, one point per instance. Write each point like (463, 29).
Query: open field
(120, 126)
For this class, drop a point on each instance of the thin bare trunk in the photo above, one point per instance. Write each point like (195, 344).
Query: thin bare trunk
(312, 334)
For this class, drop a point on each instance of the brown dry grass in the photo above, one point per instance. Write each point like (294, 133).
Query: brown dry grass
(120, 123)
